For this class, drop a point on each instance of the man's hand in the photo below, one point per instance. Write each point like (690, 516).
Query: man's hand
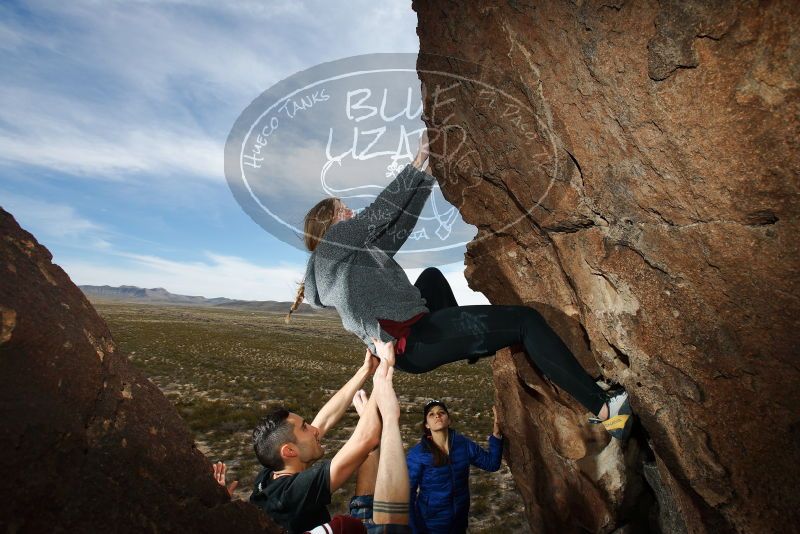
(360, 401)
(219, 475)
(335, 408)
(383, 391)
(385, 350)
(496, 429)
(370, 362)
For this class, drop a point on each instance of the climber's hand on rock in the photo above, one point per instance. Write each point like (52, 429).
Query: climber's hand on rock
(422, 153)
(496, 430)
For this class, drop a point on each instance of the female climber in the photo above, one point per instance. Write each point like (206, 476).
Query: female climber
(439, 466)
(352, 268)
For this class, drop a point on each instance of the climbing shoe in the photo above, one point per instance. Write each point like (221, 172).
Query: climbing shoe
(620, 416)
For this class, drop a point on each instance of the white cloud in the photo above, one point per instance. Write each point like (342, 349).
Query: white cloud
(252, 8)
(222, 276)
(98, 141)
(10, 37)
(50, 221)
(125, 87)
(155, 152)
(217, 276)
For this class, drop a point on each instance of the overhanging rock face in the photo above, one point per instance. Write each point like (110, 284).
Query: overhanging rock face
(632, 168)
(87, 443)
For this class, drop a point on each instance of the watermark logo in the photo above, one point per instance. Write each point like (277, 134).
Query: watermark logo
(348, 128)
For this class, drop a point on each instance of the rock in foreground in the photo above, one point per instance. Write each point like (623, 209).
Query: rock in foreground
(632, 168)
(87, 443)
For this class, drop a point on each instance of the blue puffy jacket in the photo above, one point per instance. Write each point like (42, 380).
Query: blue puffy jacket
(442, 505)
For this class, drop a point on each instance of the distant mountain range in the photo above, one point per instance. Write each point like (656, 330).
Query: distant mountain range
(159, 295)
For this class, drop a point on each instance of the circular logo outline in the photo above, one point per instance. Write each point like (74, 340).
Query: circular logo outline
(551, 138)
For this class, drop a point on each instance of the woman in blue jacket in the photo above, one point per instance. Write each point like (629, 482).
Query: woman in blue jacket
(439, 468)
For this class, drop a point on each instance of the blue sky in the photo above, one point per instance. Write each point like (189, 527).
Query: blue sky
(114, 121)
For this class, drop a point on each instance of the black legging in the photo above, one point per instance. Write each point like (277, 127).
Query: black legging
(451, 332)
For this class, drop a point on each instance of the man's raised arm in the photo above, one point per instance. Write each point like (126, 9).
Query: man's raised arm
(366, 436)
(334, 409)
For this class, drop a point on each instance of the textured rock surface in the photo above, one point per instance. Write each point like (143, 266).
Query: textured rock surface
(632, 168)
(87, 443)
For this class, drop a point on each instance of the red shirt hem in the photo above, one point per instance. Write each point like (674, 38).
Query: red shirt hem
(400, 330)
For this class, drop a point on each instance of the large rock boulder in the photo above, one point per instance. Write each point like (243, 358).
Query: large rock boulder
(87, 443)
(632, 168)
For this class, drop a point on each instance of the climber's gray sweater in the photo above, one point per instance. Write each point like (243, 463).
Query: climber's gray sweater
(353, 267)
